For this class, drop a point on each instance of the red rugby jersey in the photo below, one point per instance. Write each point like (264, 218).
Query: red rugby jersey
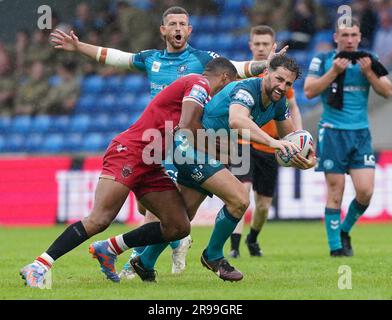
(165, 107)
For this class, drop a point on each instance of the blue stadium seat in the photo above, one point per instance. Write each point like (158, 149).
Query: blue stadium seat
(86, 103)
(5, 123)
(120, 122)
(113, 84)
(224, 41)
(33, 142)
(73, 142)
(133, 84)
(20, 124)
(101, 122)
(323, 36)
(41, 124)
(93, 142)
(107, 103)
(92, 84)
(125, 102)
(283, 36)
(53, 143)
(232, 6)
(14, 143)
(141, 102)
(2, 144)
(80, 123)
(208, 23)
(204, 41)
(60, 123)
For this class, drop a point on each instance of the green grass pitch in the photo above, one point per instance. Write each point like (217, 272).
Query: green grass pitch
(296, 265)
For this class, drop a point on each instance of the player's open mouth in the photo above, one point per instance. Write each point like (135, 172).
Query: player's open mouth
(279, 93)
(178, 37)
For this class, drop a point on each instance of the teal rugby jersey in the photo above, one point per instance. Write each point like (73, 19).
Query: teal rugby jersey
(163, 68)
(248, 94)
(354, 114)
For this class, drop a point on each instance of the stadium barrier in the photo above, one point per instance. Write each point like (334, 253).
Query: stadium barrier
(46, 190)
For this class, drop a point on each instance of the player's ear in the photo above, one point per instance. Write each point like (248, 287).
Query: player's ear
(190, 28)
(162, 29)
(335, 36)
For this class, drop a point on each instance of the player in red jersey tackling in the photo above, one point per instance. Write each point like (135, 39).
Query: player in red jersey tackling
(125, 170)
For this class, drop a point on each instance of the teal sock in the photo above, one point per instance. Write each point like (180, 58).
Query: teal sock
(150, 255)
(175, 244)
(225, 224)
(355, 211)
(139, 250)
(332, 224)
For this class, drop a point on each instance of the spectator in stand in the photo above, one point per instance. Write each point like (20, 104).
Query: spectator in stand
(368, 18)
(275, 13)
(22, 40)
(32, 92)
(7, 82)
(302, 24)
(383, 39)
(62, 98)
(39, 48)
(137, 27)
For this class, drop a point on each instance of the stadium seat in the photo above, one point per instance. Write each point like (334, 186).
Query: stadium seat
(80, 123)
(5, 123)
(41, 124)
(60, 123)
(2, 144)
(101, 122)
(120, 122)
(14, 143)
(224, 41)
(73, 142)
(93, 142)
(133, 84)
(33, 142)
(113, 84)
(142, 101)
(125, 102)
(53, 143)
(204, 41)
(107, 103)
(92, 84)
(86, 103)
(20, 124)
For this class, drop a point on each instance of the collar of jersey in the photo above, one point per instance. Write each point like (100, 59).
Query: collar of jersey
(175, 54)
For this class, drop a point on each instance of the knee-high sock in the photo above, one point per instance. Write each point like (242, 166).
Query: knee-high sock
(332, 225)
(174, 244)
(225, 224)
(72, 237)
(355, 211)
(150, 255)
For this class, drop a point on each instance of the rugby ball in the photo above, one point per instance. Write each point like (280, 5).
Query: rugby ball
(303, 139)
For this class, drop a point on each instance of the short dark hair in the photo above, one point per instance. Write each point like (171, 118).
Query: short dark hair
(284, 61)
(354, 22)
(262, 29)
(174, 10)
(221, 64)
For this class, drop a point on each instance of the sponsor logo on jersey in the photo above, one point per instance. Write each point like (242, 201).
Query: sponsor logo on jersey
(213, 54)
(199, 93)
(197, 175)
(245, 97)
(182, 69)
(158, 87)
(156, 66)
(120, 148)
(315, 64)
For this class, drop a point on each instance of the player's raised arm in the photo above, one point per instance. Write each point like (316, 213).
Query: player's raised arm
(248, 69)
(70, 42)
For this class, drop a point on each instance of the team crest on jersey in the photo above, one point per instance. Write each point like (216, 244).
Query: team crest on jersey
(126, 171)
(199, 93)
(244, 97)
(182, 69)
(156, 66)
